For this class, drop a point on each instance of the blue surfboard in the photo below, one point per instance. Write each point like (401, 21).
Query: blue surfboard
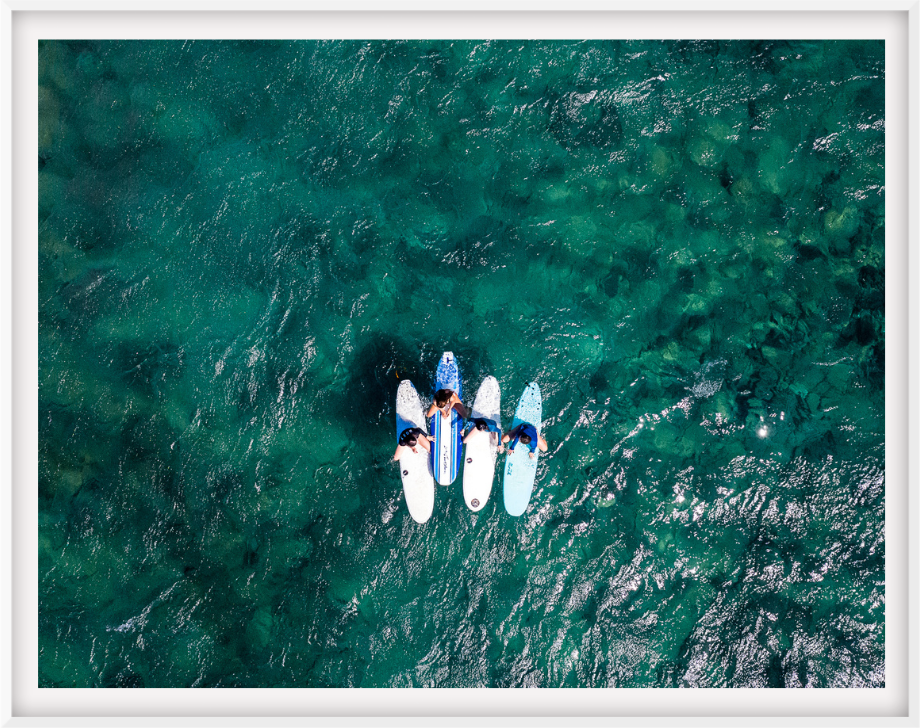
(445, 451)
(520, 468)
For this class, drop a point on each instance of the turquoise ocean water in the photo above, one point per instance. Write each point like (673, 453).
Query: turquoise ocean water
(245, 246)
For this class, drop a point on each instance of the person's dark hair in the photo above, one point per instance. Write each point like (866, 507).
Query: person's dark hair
(409, 437)
(442, 397)
(525, 439)
(481, 424)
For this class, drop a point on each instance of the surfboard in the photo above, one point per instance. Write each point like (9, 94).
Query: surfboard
(481, 450)
(445, 451)
(415, 468)
(520, 469)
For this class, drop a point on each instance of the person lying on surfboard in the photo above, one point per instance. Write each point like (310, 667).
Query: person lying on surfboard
(483, 425)
(410, 437)
(444, 401)
(527, 434)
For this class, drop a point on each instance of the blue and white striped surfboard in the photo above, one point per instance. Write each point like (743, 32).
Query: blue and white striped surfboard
(445, 452)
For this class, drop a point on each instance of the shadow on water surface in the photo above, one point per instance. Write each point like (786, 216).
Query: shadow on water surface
(369, 393)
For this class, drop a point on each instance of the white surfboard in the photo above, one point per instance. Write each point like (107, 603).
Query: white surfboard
(481, 450)
(415, 468)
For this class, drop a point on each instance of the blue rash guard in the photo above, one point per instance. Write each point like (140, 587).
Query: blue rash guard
(525, 430)
(492, 427)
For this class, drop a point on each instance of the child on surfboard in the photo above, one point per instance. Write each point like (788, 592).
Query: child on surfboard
(444, 401)
(410, 438)
(482, 425)
(527, 434)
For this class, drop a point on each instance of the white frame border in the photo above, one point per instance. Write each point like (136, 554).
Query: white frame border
(901, 316)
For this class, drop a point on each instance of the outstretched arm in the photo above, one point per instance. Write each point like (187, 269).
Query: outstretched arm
(431, 410)
(513, 437)
(539, 444)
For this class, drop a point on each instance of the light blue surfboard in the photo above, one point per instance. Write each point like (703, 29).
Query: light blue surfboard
(445, 452)
(520, 469)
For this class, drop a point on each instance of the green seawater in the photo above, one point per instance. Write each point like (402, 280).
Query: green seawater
(244, 246)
